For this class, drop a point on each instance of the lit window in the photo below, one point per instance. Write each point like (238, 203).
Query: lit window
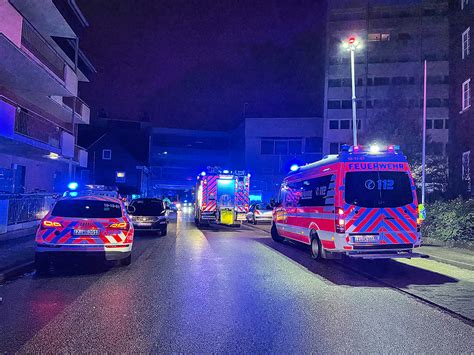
(107, 154)
(466, 94)
(465, 43)
(120, 176)
(378, 37)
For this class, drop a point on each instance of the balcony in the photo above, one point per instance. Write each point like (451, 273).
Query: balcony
(33, 69)
(81, 109)
(25, 133)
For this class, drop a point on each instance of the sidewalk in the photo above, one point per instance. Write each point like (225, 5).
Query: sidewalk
(462, 258)
(16, 255)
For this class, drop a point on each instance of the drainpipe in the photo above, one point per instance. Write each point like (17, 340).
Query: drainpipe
(72, 170)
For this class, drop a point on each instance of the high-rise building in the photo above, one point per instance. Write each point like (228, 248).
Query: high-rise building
(395, 39)
(40, 68)
(461, 132)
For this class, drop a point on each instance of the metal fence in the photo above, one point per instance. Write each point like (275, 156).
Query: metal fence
(28, 208)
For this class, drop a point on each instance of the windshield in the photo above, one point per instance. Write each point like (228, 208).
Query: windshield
(87, 209)
(147, 207)
(378, 189)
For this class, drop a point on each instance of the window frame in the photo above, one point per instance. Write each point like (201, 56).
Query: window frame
(464, 99)
(104, 156)
(466, 42)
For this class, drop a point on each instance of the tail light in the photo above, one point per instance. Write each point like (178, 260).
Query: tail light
(418, 224)
(50, 224)
(339, 221)
(121, 225)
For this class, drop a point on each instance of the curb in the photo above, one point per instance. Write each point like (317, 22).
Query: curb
(458, 264)
(16, 271)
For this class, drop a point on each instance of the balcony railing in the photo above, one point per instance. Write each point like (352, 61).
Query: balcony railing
(34, 126)
(38, 46)
(69, 102)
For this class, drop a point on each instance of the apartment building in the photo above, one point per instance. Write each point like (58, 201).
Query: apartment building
(41, 67)
(395, 38)
(272, 145)
(461, 133)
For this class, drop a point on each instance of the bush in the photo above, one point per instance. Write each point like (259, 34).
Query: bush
(450, 221)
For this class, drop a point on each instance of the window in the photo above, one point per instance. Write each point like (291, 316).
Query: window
(381, 81)
(281, 147)
(87, 209)
(120, 176)
(346, 104)
(438, 124)
(313, 192)
(429, 124)
(334, 104)
(378, 37)
(332, 83)
(465, 37)
(464, 3)
(369, 104)
(107, 154)
(295, 147)
(378, 189)
(333, 148)
(333, 124)
(466, 94)
(266, 147)
(345, 124)
(404, 36)
(313, 145)
(399, 80)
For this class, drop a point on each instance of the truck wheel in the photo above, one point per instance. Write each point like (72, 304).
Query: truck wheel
(316, 247)
(275, 236)
(41, 263)
(126, 261)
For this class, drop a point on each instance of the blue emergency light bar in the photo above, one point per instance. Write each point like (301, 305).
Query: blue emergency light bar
(371, 149)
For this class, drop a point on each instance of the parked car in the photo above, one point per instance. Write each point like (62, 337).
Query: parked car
(260, 212)
(149, 214)
(92, 225)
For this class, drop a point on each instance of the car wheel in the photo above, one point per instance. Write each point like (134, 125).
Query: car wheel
(316, 247)
(41, 263)
(164, 231)
(275, 236)
(126, 261)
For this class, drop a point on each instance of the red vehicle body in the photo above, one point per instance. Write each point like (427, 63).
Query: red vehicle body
(222, 197)
(96, 225)
(361, 203)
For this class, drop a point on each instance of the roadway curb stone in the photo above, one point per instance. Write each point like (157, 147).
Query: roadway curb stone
(17, 270)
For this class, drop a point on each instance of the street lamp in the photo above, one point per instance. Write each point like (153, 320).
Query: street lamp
(351, 45)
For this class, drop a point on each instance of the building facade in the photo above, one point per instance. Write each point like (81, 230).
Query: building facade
(273, 145)
(178, 155)
(461, 139)
(39, 104)
(395, 40)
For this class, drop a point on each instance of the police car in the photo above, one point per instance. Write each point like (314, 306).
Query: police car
(80, 225)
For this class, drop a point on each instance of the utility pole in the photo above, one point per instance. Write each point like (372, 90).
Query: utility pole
(423, 150)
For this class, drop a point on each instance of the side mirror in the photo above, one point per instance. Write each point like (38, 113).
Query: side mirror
(131, 209)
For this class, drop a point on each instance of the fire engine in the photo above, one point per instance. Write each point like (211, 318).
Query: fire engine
(222, 196)
(361, 203)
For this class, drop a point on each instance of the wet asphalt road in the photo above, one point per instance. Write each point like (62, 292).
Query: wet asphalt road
(219, 290)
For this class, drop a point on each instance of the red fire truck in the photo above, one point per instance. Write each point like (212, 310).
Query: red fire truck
(222, 196)
(361, 203)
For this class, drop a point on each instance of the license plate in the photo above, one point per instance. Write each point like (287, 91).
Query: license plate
(86, 232)
(143, 224)
(365, 238)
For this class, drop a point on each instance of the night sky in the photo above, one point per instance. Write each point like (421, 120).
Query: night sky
(194, 64)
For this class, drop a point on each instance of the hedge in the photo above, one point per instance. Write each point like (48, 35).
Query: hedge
(450, 221)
